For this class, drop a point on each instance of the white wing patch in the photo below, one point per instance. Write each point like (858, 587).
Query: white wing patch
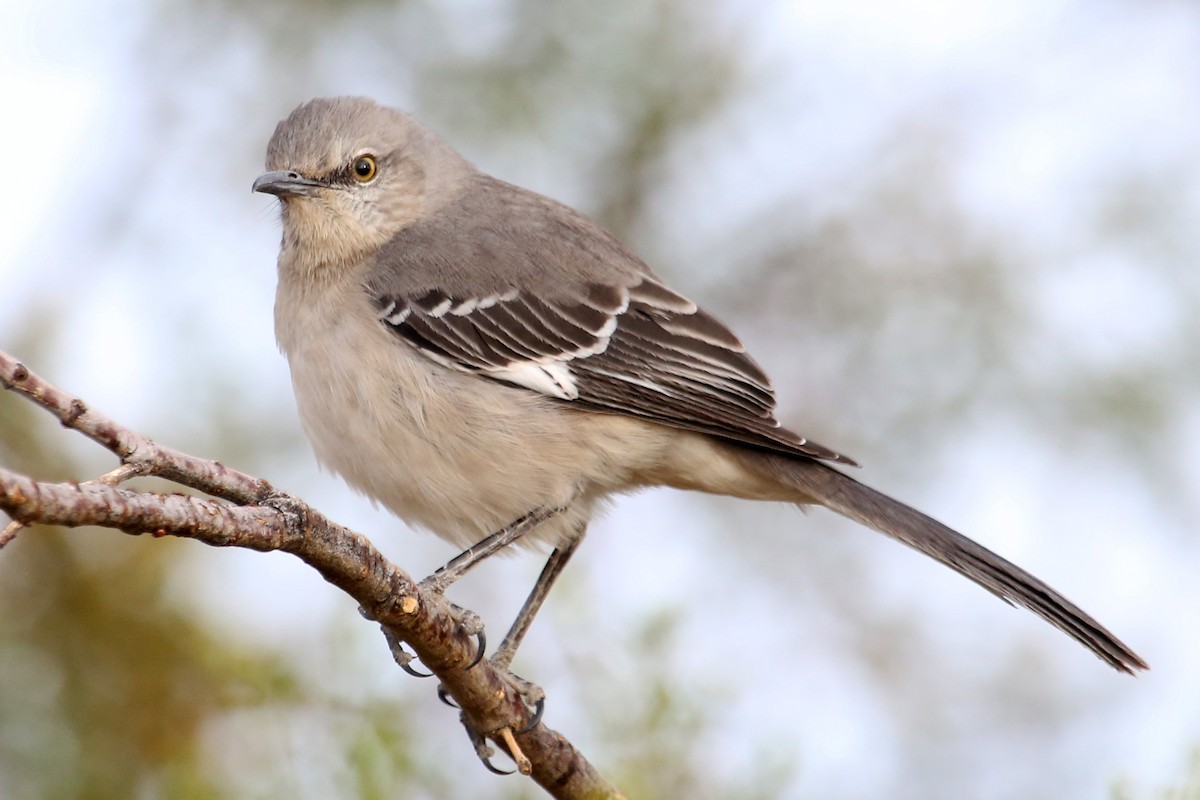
(553, 378)
(398, 317)
(467, 306)
(441, 308)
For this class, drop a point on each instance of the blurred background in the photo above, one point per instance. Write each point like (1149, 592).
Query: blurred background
(960, 236)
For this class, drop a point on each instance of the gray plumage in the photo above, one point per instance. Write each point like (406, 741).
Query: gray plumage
(570, 311)
(464, 351)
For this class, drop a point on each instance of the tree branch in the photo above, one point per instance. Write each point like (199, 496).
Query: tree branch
(248, 512)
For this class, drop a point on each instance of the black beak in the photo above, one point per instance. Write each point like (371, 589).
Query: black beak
(285, 183)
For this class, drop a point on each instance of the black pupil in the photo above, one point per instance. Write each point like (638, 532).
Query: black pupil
(363, 167)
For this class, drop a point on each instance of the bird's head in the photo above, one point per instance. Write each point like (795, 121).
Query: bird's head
(351, 173)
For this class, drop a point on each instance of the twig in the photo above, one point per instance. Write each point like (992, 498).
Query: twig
(132, 448)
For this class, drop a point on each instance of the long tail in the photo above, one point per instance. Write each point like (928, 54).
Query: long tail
(1006, 580)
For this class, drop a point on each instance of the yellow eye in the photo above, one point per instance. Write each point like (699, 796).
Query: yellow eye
(364, 168)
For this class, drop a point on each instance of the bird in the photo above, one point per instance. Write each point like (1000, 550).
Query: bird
(494, 366)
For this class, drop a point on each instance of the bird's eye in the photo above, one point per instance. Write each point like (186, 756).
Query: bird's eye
(364, 168)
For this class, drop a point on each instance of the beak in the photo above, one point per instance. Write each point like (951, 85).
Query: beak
(285, 183)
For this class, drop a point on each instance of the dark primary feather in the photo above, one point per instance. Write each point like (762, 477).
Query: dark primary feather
(521, 280)
(846, 496)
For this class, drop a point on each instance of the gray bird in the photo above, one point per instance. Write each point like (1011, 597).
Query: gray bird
(479, 358)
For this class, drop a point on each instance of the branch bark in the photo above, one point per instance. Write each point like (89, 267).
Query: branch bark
(244, 511)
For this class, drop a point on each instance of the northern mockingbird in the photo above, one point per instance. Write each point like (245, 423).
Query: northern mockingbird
(488, 363)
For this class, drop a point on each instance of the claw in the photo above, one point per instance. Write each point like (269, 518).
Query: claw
(538, 708)
(531, 695)
(446, 698)
(492, 768)
(404, 665)
(401, 656)
(481, 638)
(470, 624)
(484, 751)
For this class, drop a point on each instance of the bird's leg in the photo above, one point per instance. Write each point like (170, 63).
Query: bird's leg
(531, 693)
(458, 566)
(455, 568)
(463, 562)
(533, 603)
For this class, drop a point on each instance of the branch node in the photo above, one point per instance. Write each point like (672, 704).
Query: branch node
(77, 410)
(293, 512)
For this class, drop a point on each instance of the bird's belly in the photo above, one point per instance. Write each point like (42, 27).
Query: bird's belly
(459, 454)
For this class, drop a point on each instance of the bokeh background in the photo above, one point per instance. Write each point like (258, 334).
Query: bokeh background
(961, 236)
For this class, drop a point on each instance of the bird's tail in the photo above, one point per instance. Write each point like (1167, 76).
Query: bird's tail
(841, 493)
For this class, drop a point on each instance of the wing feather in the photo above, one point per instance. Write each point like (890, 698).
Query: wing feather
(639, 349)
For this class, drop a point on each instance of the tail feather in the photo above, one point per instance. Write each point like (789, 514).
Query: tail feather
(841, 493)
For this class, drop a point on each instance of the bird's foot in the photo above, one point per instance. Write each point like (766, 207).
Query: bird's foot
(438, 582)
(531, 694)
(534, 699)
(469, 623)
